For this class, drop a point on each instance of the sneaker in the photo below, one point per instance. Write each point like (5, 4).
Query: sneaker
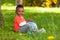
(42, 30)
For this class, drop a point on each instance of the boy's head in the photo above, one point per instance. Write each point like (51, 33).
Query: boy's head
(19, 10)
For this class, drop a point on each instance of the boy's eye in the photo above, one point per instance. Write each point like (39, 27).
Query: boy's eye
(20, 11)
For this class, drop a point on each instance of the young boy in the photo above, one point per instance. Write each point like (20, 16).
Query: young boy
(19, 21)
(20, 24)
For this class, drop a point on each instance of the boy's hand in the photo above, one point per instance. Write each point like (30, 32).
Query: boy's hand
(30, 20)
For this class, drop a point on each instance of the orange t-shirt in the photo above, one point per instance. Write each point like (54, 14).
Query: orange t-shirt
(17, 21)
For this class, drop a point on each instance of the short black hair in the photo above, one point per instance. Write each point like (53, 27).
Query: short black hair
(19, 6)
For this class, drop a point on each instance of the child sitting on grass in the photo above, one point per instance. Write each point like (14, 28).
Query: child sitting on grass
(21, 25)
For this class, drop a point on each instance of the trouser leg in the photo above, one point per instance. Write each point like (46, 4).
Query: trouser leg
(24, 28)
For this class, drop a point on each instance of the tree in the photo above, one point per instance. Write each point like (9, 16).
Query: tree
(0, 15)
(19, 2)
(58, 4)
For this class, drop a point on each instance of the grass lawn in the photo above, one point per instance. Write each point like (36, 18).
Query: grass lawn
(49, 20)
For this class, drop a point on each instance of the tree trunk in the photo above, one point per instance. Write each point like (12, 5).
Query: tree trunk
(19, 2)
(58, 4)
(0, 15)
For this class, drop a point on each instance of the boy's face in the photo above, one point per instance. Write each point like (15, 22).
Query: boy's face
(20, 11)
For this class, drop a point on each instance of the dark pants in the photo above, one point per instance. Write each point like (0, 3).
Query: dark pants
(24, 28)
(28, 27)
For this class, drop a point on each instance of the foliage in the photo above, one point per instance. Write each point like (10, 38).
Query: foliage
(43, 3)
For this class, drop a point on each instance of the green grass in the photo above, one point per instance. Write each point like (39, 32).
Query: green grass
(49, 20)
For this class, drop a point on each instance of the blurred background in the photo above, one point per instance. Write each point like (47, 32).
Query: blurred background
(34, 3)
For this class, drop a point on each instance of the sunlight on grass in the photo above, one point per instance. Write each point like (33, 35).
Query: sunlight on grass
(33, 9)
(9, 4)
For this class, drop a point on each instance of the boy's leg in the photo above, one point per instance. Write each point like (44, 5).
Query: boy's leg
(41, 30)
(24, 28)
(27, 27)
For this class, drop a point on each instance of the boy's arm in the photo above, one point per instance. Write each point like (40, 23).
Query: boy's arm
(16, 26)
(22, 23)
